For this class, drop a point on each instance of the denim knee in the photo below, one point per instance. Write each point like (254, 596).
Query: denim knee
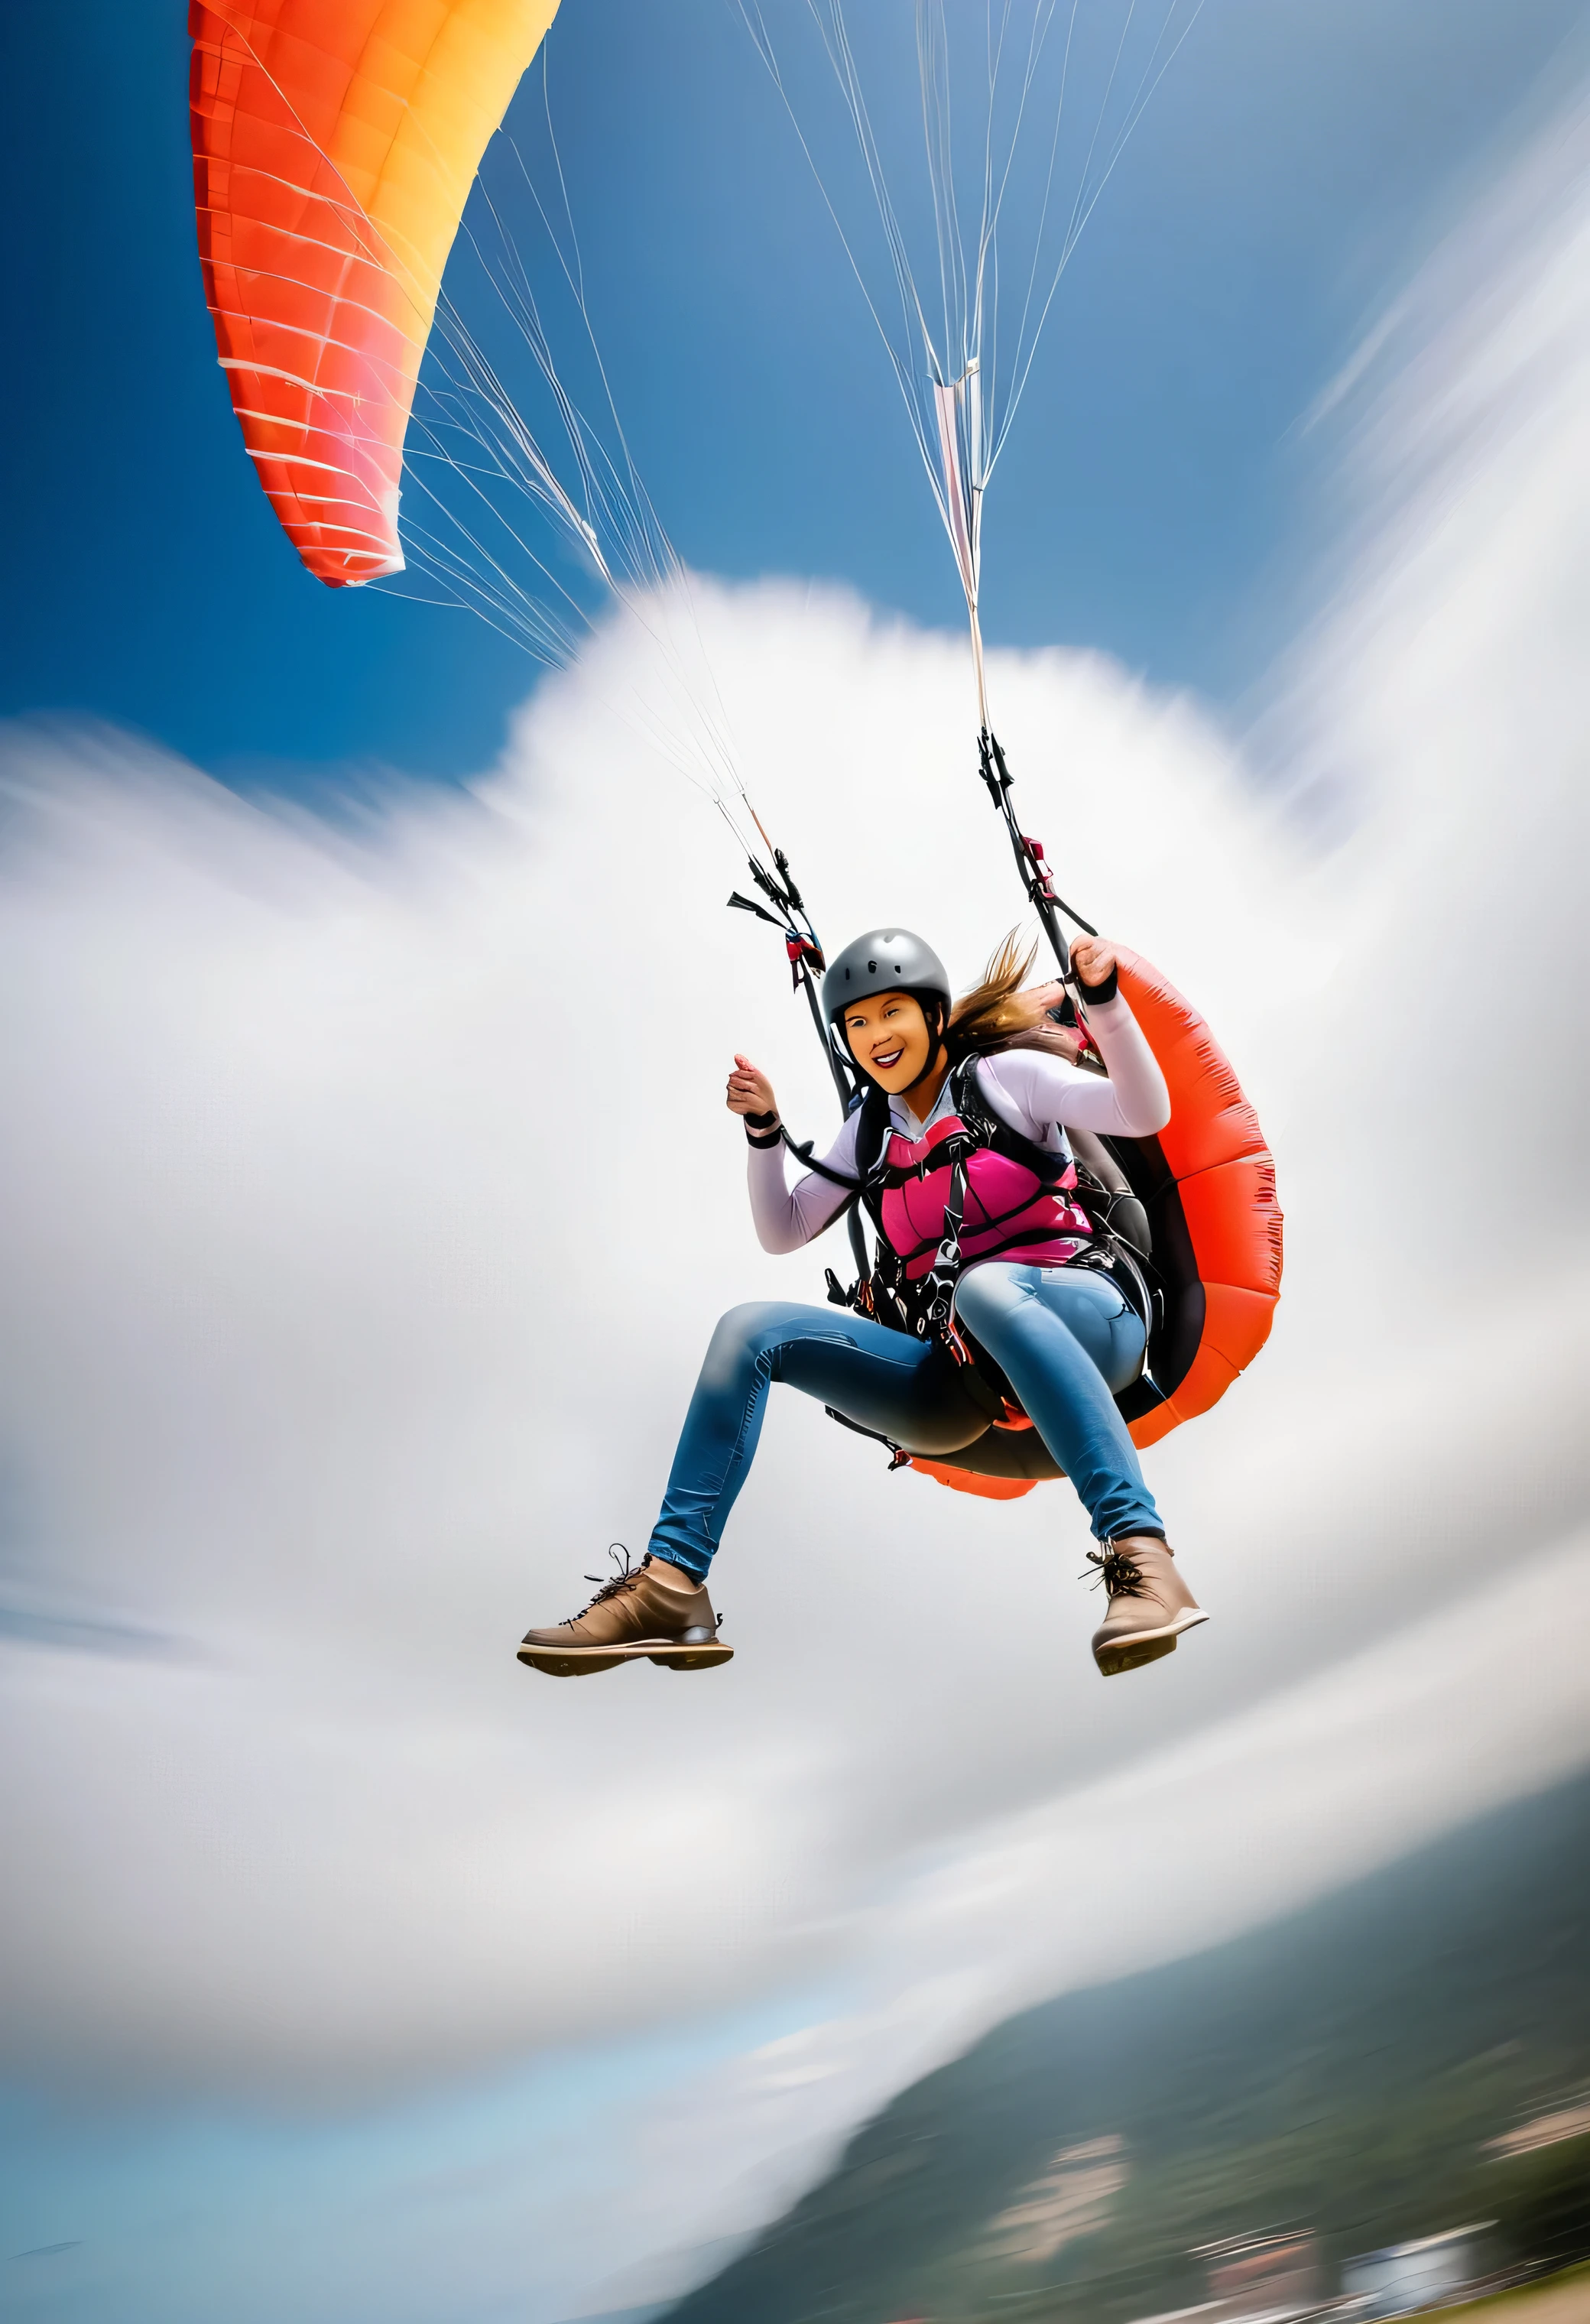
(986, 1295)
(742, 1335)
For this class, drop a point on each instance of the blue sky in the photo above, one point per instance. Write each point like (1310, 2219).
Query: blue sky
(1155, 501)
(341, 1960)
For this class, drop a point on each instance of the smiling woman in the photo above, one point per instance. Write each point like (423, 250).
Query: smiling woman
(1011, 1294)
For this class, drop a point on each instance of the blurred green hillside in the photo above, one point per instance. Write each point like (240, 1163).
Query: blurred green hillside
(1342, 2070)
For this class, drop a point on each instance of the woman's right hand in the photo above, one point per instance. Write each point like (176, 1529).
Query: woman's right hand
(749, 1090)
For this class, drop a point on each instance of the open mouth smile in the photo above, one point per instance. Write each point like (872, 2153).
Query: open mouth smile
(889, 1060)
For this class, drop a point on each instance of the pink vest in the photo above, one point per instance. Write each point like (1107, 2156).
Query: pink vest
(1007, 1209)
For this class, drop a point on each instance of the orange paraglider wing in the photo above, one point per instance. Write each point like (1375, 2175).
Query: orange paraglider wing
(335, 142)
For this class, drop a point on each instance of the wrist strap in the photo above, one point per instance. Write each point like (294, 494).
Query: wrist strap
(1096, 995)
(762, 1129)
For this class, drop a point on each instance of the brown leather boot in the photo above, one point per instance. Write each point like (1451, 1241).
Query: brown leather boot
(1150, 1605)
(639, 1613)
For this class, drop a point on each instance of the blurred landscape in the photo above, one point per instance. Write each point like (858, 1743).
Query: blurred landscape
(1260, 2129)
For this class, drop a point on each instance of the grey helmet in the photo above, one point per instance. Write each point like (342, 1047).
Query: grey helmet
(884, 960)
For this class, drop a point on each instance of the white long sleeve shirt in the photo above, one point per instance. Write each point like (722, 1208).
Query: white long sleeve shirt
(1036, 1094)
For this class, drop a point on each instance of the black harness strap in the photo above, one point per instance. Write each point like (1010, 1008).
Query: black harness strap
(924, 1306)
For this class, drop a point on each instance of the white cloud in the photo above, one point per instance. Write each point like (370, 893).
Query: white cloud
(366, 1201)
(367, 1206)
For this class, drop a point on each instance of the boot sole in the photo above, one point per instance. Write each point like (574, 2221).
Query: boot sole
(584, 1662)
(1147, 1646)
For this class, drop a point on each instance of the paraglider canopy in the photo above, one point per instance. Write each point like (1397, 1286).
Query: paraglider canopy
(335, 142)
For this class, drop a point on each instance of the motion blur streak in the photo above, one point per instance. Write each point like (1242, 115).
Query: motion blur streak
(330, 1361)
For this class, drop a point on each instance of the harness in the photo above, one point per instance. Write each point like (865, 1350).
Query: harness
(904, 1296)
(1195, 1345)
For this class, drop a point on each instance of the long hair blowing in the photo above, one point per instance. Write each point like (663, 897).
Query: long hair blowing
(997, 1014)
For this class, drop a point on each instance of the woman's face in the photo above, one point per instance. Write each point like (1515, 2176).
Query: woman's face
(889, 1039)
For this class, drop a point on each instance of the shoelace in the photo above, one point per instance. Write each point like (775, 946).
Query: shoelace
(1121, 1578)
(624, 1579)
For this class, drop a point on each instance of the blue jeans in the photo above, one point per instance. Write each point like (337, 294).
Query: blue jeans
(1064, 1337)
